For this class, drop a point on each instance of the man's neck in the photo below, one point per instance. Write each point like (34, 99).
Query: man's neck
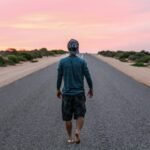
(72, 55)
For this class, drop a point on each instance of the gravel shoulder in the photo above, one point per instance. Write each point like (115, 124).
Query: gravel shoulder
(141, 74)
(10, 74)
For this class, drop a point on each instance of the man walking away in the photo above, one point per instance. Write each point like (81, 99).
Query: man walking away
(72, 70)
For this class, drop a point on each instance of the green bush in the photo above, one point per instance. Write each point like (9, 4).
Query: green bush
(144, 59)
(118, 55)
(138, 56)
(13, 58)
(107, 53)
(139, 64)
(145, 52)
(2, 61)
(51, 53)
(132, 57)
(37, 54)
(57, 52)
(27, 55)
(8, 61)
(125, 55)
(34, 55)
(44, 51)
(21, 58)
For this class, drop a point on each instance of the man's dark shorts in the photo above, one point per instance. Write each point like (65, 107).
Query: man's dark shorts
(73, 106)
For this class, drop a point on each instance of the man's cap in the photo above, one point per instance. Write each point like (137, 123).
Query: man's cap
(73, 45)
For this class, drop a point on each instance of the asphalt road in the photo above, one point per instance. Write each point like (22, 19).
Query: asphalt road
(118, 116)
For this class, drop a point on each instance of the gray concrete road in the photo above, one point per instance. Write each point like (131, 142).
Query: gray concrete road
(118, 116)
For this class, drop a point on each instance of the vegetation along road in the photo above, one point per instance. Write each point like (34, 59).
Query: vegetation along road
(118, 116)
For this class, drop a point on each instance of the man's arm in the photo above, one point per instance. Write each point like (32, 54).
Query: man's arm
(88, 79)
(59, 79)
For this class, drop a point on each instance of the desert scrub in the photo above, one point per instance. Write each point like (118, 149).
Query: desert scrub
(36, 54)
(144, 59)
(21, 58)
(27, 55)
(9, 61)
(5, 61)
(139, 64)
(107, 53)
(132, 57)
(2, 61)
(51, 53)
(13, 58)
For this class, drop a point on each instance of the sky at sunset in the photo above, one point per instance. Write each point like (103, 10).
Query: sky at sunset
(96, 24)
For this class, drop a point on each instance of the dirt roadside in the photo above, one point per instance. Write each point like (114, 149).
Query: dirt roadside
(10, 74)
(141, 74)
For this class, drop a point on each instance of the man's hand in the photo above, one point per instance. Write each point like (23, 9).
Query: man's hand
(59, 94)
(90, 93)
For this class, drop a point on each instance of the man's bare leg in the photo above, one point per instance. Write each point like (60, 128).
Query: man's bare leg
(69, 129)
(79, 125)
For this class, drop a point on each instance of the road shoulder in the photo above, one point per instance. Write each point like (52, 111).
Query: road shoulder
(140, 74)
(10, 74)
